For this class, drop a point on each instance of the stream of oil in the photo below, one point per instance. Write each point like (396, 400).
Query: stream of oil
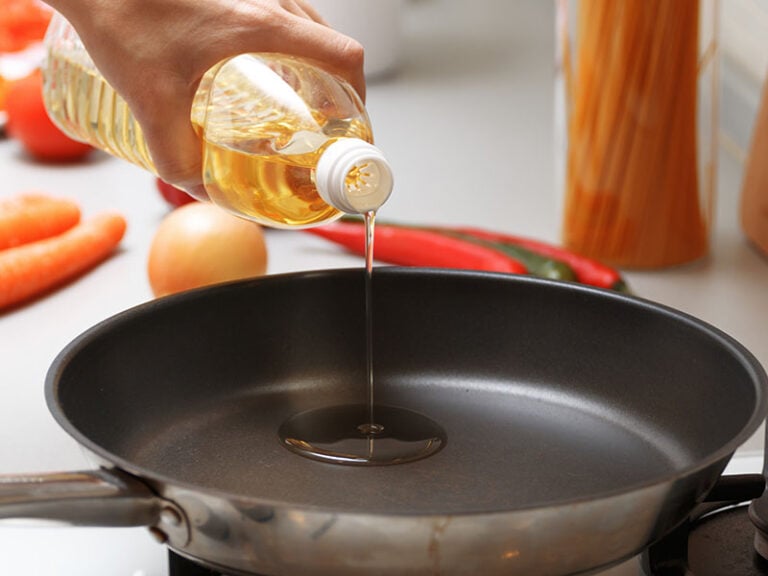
(365, 434)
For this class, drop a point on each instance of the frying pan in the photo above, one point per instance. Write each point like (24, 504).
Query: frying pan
(581, 424)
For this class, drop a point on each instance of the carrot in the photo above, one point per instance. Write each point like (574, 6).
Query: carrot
(30, 217)
(29, 270)
(3, 91)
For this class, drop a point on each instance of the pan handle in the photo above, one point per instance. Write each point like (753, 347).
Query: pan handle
(89, 498)
(737, 488)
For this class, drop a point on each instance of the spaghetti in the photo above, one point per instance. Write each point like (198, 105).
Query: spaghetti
(632, 182)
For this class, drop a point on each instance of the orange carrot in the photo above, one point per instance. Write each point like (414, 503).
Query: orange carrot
(3, 91)
(29, 270)
(30, 217)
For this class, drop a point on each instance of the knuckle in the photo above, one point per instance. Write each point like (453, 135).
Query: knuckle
(352, 52)
(182, 172)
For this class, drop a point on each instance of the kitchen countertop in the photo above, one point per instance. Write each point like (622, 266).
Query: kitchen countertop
(467, 125)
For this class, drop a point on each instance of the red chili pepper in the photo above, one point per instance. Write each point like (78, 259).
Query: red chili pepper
(587, 271)
(415, 247)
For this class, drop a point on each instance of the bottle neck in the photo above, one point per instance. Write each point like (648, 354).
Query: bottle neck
(354, 176)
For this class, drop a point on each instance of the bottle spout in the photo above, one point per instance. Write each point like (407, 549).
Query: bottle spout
(354, 176)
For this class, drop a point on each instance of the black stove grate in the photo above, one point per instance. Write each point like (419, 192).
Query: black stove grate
(719, 544)
(716, 540)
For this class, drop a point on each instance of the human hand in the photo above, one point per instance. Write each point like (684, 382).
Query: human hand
(154, 53)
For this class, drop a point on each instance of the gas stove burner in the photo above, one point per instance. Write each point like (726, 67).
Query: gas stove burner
(758, 513)
(180, 566)
(718, 539)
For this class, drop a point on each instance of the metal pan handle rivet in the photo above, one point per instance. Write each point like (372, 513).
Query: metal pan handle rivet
(170, 516)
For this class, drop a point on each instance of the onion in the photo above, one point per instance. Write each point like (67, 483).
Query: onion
(199, 244)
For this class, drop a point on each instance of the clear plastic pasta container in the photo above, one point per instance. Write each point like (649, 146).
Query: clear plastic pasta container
(636, 119)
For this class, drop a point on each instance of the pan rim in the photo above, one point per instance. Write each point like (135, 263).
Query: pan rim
(722, 455)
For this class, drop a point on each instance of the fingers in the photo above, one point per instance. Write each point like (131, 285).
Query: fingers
(161, 101)
(173, 144)
(339, 53)
(163, 106)
(310, 12)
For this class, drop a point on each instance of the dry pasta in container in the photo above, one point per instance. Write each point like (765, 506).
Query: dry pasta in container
(637, 125)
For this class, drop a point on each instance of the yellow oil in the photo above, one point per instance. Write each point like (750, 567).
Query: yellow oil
(82, 104)
(258, 160)
(275, 189)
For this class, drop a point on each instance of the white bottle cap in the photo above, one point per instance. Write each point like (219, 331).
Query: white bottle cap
(353, 176)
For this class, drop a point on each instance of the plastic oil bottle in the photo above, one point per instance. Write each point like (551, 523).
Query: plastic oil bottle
(285, 143)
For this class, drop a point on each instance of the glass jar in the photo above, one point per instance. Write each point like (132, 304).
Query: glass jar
(754, 188)
(636, 119)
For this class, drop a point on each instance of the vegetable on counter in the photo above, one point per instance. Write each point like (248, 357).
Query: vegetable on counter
(428, 246)
(536, 264)
(31, 269)
(22, 22)
(3, 91)
(419, 247)
(28, 122)
(199, 244)
(586, 270)
(172, 195)
(33, 216)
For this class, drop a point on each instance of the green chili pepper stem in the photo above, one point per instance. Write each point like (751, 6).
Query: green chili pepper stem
(545, 266)
(537, 265)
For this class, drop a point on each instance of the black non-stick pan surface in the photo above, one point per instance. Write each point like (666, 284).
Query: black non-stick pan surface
(551, 394)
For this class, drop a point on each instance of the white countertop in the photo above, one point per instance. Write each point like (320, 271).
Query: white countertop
(467, 126)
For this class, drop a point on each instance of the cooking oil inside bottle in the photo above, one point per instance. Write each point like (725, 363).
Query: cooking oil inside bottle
(259, 155)
(267, 188)
(364, 434)
(86, 107)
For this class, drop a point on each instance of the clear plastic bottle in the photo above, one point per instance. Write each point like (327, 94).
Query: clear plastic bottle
(285, 143)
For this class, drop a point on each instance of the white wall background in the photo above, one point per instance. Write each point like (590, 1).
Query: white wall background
(744, 50)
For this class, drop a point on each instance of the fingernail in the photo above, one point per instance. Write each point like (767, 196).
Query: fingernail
(198, 192)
